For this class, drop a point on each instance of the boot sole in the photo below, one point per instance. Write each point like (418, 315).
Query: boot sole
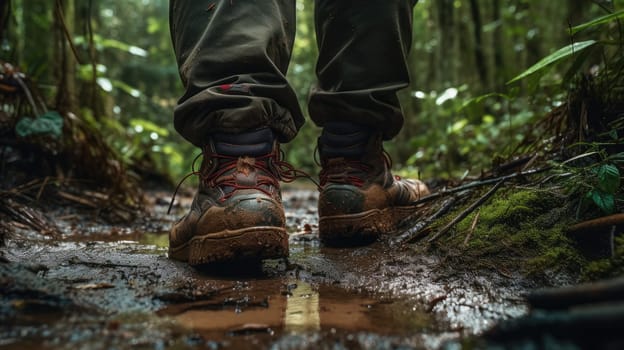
(248, 244)
(362, 228)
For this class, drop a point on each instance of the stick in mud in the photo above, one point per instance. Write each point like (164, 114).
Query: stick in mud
(466, 212)
(415, 232)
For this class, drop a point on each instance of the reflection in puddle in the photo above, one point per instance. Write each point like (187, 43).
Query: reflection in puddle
(160, 239)
(302, 309)
(299, 309)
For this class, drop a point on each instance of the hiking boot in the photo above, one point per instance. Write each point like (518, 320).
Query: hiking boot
(360, 199)
(237, 213)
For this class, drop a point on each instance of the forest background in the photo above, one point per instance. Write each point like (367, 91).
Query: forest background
(462, 114)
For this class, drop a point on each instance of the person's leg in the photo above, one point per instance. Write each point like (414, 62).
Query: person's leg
(237, 107)
(232, 56)
(363, 48)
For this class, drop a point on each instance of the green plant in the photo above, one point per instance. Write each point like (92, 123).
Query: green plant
(595, 178)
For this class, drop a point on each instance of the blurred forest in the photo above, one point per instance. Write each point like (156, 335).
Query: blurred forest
(111, 64)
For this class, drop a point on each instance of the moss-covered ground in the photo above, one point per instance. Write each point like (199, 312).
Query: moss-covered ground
(523, 230)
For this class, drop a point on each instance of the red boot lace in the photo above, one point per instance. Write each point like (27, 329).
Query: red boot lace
(271, 164)
(348, 171)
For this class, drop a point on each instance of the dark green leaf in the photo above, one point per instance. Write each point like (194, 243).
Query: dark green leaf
(608, 178)
(614, 134)
(600, 20)
(605, 201)
(554, 57)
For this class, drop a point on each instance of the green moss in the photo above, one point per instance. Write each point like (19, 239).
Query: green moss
(524, 229)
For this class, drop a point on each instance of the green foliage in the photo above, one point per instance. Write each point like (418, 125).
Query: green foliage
(608, 178)
(598, 21)
(555, 57)
(454, 125)
(606, 182)
(486, 119)
(467, 133)
(602, 183)
(108, 43)
(596, 183)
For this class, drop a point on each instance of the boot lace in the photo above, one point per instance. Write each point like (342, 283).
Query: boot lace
(347, 171)
(217, 171)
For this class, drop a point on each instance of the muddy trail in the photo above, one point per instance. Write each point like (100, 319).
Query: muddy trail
(102, 287)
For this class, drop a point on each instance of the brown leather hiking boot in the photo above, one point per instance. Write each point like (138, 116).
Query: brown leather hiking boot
(237, 214)
(360, 199)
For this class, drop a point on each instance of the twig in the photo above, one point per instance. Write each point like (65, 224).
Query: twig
(77, 199)
(530, 162)
(478, 184)
(415, 232)
(41, 188)
(472, 227)
(466, 212)
(30, 218)
(434, 302)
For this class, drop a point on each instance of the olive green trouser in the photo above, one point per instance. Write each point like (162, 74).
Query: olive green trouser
(233, 54)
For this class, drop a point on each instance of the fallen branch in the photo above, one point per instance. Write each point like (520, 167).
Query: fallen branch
(77, 199)
(561, 298)
(29, 217)
(466, 212)
(414, 232)
(602, 223)
(478, 184)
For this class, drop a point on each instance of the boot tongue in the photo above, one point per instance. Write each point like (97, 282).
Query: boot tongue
(245, 149)
(245, 172)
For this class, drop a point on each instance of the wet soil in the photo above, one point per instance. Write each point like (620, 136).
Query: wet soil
(100, 286)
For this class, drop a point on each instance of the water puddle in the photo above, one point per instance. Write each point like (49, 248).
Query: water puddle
(295, 308)
(299, 308)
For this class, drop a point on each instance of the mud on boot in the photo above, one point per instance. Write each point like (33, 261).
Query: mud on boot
(237, 213)
(360, 199)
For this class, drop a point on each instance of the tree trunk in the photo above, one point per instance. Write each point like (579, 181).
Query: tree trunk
(5, 15)
(64, 16)
(446, 23)
(500, 75)
(480, 62)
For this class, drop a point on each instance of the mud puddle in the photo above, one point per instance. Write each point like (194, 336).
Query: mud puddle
(116, 288)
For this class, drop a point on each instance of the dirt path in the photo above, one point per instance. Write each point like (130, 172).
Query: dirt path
(113, 287)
